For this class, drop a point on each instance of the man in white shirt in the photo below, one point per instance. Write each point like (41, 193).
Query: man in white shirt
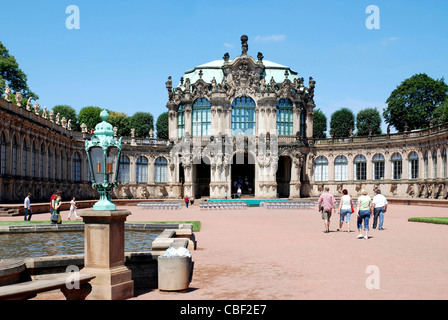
(27, 207)
(379, 206)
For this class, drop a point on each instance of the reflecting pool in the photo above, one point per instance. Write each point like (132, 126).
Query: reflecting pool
(41, 244)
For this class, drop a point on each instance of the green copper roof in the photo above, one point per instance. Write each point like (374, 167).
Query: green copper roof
(213, 69)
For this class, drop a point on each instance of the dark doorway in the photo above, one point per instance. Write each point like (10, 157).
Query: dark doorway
(243, 174)
(283, 176)
(181, 179)
(201, 179)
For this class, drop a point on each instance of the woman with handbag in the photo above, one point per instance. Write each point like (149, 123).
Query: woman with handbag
(345, 209)
(56, 217)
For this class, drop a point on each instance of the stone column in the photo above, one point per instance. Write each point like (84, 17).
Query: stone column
(104, 255)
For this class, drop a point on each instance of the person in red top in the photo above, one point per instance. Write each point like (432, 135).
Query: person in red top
(186, 201)
(326, 205)
(53, 196)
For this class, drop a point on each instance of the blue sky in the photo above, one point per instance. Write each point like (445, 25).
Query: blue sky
(124, 51)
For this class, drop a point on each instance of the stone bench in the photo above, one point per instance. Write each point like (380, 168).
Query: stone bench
(26, 290)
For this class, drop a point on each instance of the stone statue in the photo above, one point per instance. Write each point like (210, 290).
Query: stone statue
(83, 128)
(19, 98)
(28, 104)
(69, 124)
(115, 131)
(57, 118)
(226, 57)
(7, 93)
(151, 133)
(51, 115)
(132, 133)
(36, 108)
(64, 122)
(44, 113)
(244, 45)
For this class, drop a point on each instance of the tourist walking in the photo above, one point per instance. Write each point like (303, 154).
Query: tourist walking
(326, 207)
(191, 200)
(379, 207)
(364, 213)
(73, 209)
(239, 192)
(345, 210)
(186, 201)
(27, 208)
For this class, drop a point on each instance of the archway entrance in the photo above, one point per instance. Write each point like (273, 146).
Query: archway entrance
(283, 176)
(201, 178)
(243, 174)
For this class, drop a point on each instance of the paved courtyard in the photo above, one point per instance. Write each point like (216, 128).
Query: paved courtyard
(271, 255)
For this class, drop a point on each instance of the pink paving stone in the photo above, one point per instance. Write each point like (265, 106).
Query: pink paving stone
(284, 255)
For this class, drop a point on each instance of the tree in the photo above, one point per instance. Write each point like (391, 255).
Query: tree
(69, 113)
(342, 121)
(366, 120)
(121, 121)
(162, 126)
(319, 124)
(413, 102)
(11, 74)
(142, 122)
(90, 116)
(441, 113)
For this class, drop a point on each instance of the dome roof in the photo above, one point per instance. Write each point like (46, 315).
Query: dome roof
(214, 69)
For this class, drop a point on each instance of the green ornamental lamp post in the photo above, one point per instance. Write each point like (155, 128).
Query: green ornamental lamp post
(103, 153)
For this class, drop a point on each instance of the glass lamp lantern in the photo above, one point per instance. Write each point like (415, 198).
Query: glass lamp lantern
(103, 153)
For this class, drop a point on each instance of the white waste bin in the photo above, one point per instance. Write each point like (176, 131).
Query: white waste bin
(174, 273)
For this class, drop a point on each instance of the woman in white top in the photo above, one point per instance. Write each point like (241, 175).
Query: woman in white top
(345, 209)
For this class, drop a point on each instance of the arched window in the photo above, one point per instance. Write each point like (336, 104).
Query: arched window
(413, 166)
(142, 170)
(34, 153)
(284, 117)
(378, 167)
(434, 164)
(340, 169)
(243, 117)
(360, 168)
(24, 158)
(2, 154)
(14, 156)
(76, 167)
(160, 170)
(201, 120)
(320, 169)
(49, 159)
(41, 161)
(303, 122)
(425, 162)
(444, 164)
(124, 169)
(181, 121)
(397, 166)
(61, 167)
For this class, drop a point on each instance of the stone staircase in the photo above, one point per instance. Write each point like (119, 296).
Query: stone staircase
(8, 212)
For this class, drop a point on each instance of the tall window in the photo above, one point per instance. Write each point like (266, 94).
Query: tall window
(243, 117)
(24, 158)
(2, 154)
(201, 124)
(425, 162)
(284, 117)
(434, 164)
(397, 166)
(77, 167)
(303, 122)
(181, 121)
(413, 166)
(124, 169)
(160, 170)
(341, 169)
(444, 164)
(61, 167)
(14, 156)
(360, 168)
(41, 161)
(321, 169)
(142, 170)
(34, 161)
(378, 167)
(49, 157)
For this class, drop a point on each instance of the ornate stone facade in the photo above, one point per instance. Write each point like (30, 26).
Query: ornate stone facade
(243, 122)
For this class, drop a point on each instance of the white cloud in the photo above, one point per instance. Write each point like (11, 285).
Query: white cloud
(228, 45)
(390, 40)
(271, 38)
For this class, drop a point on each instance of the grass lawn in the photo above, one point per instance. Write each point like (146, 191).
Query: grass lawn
(196, 224)
(438, 220)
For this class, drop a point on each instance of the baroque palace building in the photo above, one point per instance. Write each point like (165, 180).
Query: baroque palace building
(243, 123)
